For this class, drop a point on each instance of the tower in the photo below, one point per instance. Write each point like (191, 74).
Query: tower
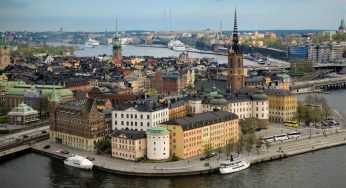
(117, 46)
(4, 52)
(53, 105)
(236, 77)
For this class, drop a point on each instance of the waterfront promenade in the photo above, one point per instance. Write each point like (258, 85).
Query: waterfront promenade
(194, 166)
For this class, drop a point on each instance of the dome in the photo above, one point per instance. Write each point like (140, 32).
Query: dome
(259, 95)
(218, 100)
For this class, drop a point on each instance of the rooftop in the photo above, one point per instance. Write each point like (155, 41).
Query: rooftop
(129, 134)
(157, 131)
(202, 119)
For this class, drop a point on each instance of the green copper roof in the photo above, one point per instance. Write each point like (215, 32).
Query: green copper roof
(157, 131)
(54, 96)
(218, 100)
(116, 43)
(23, 108)
(259, 95)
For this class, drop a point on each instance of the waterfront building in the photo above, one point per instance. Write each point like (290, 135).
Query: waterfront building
(129, 145)
(282, 105)
(14, 96)
(190, 135)
(177, 109)
(23, 115)
(323, 53)
(76, 124)
(236, 75)
(139, 115)
(168, 82)
(4, 52)
(158, 143)
(298, 52)
(244, 105)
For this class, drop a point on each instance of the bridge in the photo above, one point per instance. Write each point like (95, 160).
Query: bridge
(325, 84)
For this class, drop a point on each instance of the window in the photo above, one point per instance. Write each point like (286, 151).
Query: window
(147, 116)
(127, 116)
(122, 115)
(141, 116)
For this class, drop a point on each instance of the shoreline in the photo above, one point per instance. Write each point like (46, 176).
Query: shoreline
(196, 167)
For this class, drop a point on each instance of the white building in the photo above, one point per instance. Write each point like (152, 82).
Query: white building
(244, 106)
(139, 115)
(158, 143)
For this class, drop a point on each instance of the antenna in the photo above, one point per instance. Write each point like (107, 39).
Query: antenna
(164, 19)
(170, 20)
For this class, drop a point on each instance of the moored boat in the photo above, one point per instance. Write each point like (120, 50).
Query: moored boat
(79, 162)
(233, 165)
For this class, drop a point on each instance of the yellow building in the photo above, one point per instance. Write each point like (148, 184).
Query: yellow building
(129, 144)
(190, 135)
(282, 105)
(177, 110)
(4, 52)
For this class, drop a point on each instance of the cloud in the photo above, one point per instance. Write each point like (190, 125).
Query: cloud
(13, 4)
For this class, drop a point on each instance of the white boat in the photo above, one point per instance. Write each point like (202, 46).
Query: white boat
(91, 43)
(79, 162)
(233, 165)
(176, 45)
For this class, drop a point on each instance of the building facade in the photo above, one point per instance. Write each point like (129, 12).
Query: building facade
(189, 136)
(23, 115)
(129, 145)
(139, 115)
(298, 52)
(282, 105)
(4, 52)
(76, 124)
(158, 143)
(168, 82)
(177, 110)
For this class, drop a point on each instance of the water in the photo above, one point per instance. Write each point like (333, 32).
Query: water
(335, 99)
(326, 168)
(129, 50)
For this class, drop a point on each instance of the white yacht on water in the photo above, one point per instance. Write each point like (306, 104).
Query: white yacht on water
(176, 45)
(233, 165)
(79, 162)
(91, 43)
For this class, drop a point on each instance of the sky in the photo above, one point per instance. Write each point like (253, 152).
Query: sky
(99, 15)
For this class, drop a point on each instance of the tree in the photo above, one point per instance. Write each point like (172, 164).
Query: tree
(249, 126)
(230, 147)
(240, 144)
(207, 149)
(249, 140)
(103, 146)
(152, 92)
(309, 100)
(299, 112)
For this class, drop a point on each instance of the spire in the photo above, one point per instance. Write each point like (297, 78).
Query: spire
(116, 26)
(54, 96)
(235, 46)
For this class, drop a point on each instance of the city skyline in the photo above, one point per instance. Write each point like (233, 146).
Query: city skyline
(179, 15)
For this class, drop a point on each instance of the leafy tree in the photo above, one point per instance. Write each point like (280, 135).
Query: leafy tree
(339, 37)
(152, 92)
(299, 112)
(309, 100)
(103, 146)
(249, 126)
(207, 149)
(240, 145)
(230, 146)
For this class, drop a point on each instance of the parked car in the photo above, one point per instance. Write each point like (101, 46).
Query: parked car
(65, 152)
(46, 146)
(25, 136)
(43, 132)
(90, 158)
(202, 159)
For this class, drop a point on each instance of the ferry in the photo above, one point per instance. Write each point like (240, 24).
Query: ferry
(79, 162)
(91, 43)
(231, 166)
(176, 45)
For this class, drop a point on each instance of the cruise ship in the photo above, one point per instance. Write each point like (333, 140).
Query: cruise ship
(79, 162)
(91, 43)
(177, 45)
(230, 166)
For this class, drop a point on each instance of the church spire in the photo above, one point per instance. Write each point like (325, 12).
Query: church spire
(235, 40)
(116, 26)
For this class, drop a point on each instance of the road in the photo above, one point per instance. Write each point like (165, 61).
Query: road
(12, 137)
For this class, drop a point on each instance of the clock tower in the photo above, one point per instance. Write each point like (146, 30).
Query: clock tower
(236, 75)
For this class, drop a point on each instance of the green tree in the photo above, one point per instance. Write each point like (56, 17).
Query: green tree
(207, 149)
(249, 126)
(309, 100)
(240, 145)
(152, 92)
(103, 146)
(229, 147)
(339, 37)
(299, 112)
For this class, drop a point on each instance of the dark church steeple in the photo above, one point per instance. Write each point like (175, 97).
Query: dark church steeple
(235, 46)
